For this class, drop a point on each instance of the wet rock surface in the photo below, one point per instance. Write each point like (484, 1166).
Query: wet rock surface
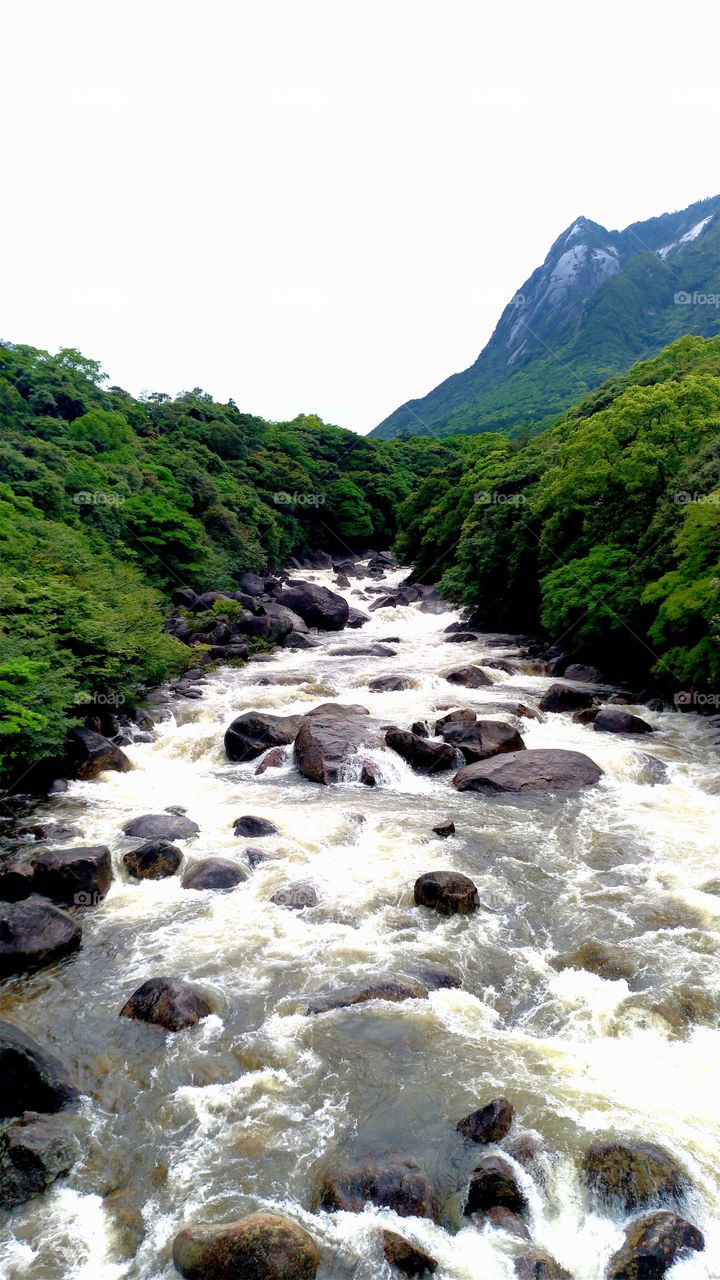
(167, 1003)
(652, 1245)
(34, 1151)
(632, 1174)
(447, 892)
(34, 1079)
(262, 1246)
(393, 1181)
(527, 771)
(35, 933)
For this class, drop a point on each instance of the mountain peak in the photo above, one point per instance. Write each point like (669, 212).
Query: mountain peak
(600, 301)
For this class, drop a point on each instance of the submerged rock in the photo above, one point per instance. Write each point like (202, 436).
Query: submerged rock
(393, 989)
(262, 1246)
(161, 826)
(652, 1245)
(35, 933)
(494, 1183)
(252, 733)
(420, 753)
(34, 1151)
(534, 770)
(600, 958)
(154, 860)
(632, 1175)
(490, 1123)
(80, 876)
(296, 897)
(447, 892)
(214, 873)
(33, 1079)
(393, 1181)
(504, 1220)
(168, 1003)
(403, 1255)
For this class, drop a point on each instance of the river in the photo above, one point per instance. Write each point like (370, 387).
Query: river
(249, 1108)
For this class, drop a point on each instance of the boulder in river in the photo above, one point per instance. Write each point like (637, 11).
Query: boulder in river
(390, 684)
(395, 990)
(469, 677)
(601, 958)
(448, 892)
(154, 860)
(79, 876)
(274, 759)
(494, 1182)
(252, 827)
(583, 673)
(16, 881)
(652, 1245)
(34, 933)
(281, 613)
(161, 826)
(318, 606)
(262, 1246)
(563, 697)
(504, 1220)
(614, 720)
(584, 715)
(541, 769)
(422, 754)
(252, 733)
(536, 1264)
(91, 754)
(168, 1003)
(356, 618)
(406, 1257)
(444, 829)
(632, 1175)
(34, 1151)
(460, 637)
(483, 739)
(490, 1123)
(461, 716)
(296, 897)
(326, 741)
(391, 1181)
(214, 873)
(33, 1079)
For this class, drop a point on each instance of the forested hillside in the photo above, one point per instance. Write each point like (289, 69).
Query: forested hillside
(604, 530)
(108, 503)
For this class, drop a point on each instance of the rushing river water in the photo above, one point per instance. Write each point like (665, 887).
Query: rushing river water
(248, 1109)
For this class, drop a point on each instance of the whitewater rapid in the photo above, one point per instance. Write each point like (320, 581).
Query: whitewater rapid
(249, 1108)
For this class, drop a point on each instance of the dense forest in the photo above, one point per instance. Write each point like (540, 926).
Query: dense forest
(604, 530)
(108, 503)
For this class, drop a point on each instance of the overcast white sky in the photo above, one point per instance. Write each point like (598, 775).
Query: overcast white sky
(323, 205)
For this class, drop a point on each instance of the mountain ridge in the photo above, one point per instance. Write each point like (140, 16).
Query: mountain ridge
(600, 301)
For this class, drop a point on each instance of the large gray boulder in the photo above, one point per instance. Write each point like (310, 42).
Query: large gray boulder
(317, 606)
(90, 754)
(421, 753)
(652, 1245)
(77, 877)
(483, 739)
(253, 732)
(168, 1003)
(154, 860)
(563, 697)
(263, 1246)
(161, 826)
(214, 873)
(33, 1079)
(35, 933)
(542, 769)
(34, 1151)
(325, 742)
(615, 720)
(448, 892)
(632, 1175)
(468, 677)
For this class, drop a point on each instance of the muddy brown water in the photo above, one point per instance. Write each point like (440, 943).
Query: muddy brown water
(249, 1109)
